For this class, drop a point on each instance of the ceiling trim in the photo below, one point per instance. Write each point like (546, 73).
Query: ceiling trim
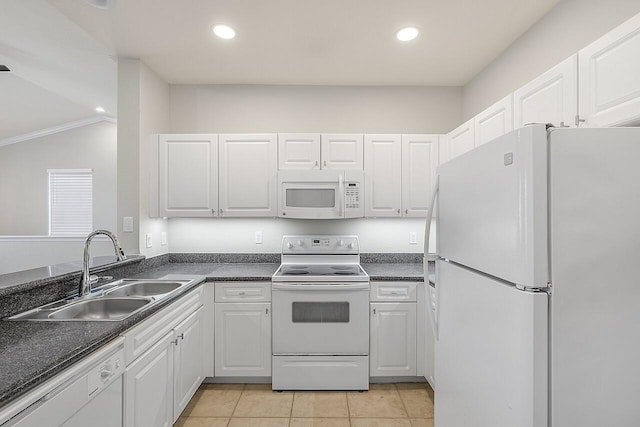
(56, 129)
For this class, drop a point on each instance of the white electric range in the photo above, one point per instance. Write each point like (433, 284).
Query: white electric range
(320, 302)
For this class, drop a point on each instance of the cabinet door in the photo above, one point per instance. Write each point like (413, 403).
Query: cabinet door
(298, 151)
(393, 339)
(495, 121)
(188, 372)
(243, 339)
(148, 393)
(419, 162)
(609, 71)
(248, 167)
(188, 175)
(549, 98)
(342, 151)
(383, 175)
(460, 140)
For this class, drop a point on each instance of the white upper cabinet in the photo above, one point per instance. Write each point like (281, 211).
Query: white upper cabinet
(187, 175)
(248, 167)
(298, 151)
(495, 121)
(551, 97)
(383, 175)
(610, 77)
(342, 151)
(419, 162)
(458, 141)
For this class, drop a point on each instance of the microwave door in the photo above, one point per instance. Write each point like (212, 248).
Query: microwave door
(310, 200)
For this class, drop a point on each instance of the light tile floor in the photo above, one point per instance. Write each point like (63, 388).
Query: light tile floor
(255, 405)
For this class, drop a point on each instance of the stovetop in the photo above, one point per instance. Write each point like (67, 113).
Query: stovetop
(320, 258)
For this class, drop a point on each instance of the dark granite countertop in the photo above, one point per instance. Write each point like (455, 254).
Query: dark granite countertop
(33, 352)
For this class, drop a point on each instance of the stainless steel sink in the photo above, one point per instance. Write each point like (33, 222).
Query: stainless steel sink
(111, 302)
(145, 288)
(100, 309)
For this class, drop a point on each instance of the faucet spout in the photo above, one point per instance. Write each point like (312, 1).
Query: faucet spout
(85, 282)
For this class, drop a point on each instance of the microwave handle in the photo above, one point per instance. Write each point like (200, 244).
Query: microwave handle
(341, 189)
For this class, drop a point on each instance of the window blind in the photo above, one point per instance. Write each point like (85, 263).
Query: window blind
(70, 202)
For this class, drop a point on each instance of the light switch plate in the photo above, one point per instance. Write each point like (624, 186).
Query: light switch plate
(413, 238)
(149, 240)
(258, 237)
(127, 224)
(163, 238)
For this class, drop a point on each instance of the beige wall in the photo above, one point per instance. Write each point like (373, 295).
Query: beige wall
(143, 110)
(24, 182)
(567, 28)
(257, 108)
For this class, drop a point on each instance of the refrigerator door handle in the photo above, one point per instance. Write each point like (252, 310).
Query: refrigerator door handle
(433, 300)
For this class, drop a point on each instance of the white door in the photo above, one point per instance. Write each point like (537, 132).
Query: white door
(148, 393)
(551, 97)
(495, 121)
(188, 175)
(298, 151)
(491, 355)
(393, 339)
(461, 139)
(610, 77)
(383, 175)
(419, 163)
(342, 151)
(188, 360)
(248, 167)
(243, 339)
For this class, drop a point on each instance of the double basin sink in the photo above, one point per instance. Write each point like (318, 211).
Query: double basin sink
(112, 302)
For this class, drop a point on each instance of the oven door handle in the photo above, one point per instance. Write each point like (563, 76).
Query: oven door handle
(320, 287)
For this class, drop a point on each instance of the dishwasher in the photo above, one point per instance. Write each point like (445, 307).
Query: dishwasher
(87, 394)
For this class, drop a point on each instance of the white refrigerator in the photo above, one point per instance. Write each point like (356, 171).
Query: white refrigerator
(537, 297)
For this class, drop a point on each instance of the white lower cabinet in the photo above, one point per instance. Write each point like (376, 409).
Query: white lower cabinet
(393, 325)
(243, 339)
(148, 389)
(188, 361)
(165, 358)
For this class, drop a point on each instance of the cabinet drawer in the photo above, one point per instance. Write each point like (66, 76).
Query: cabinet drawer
(393, 291)
(242, 291)
(143, 336)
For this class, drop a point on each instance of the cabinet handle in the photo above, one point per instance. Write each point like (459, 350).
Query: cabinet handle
(374, 311)
(266, 311)
(315, 165)
(174, 342)
(398, 211)
(325, 164)
(406, 211)
(241, 293)
(181, 336)
(220, 211)
(213, 211)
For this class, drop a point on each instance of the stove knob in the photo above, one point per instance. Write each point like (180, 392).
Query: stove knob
(300, 243)
(340, 242)
(350, 246)
(289, 245)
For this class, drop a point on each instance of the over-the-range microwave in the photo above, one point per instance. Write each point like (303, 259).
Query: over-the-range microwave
(320, 194)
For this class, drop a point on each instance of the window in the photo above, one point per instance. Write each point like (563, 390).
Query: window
(70, 202)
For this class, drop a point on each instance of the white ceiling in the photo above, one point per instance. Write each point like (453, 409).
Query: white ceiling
(66, 47)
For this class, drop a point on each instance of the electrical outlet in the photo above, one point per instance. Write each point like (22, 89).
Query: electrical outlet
(163, 238)
(258, 237)
(149, 240)
(413, 238)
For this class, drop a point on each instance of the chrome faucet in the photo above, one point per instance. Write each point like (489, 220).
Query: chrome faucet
(85, 280)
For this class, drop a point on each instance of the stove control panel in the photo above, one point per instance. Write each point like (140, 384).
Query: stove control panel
(320, 244)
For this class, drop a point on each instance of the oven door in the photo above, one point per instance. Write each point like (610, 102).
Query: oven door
(320, 318)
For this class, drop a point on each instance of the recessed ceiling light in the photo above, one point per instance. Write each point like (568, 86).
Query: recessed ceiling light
(100, 109)
(224, 31)
(407, 34)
